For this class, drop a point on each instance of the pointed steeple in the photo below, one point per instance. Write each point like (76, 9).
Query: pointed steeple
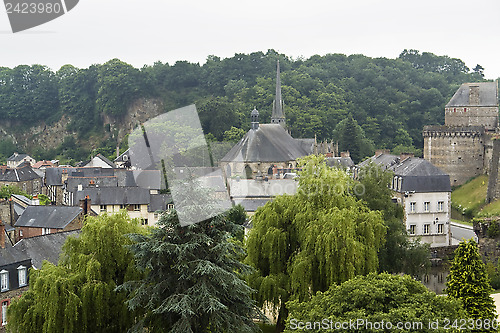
(278, 115)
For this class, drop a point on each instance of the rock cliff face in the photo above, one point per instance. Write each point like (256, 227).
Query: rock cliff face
(51, 136)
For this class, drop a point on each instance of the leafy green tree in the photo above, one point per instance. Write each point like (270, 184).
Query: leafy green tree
(78, 295)
(469, 282)
(375, 298)
(7, 191)
(234, 134)
(193, 281)
(400, 254)
(304, 243)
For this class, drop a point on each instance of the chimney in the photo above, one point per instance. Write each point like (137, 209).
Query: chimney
(345, 154)
(85, 205)
(117, 151)
(2, 235)
(379, 152)
(35, 201)
(404, 156)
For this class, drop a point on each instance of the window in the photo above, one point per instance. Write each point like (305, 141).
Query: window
(440, 206)
(426, 228)
(426, 206)
(103, 208)
(137, 208)
(4, 280)
(5, 304)
(170, 206)
(412, 207)
(156, 215)
(122, 206)
(440, 228)
(412, 229)
(45, 231)
(20, 233)
(21, 274)
(144, 221)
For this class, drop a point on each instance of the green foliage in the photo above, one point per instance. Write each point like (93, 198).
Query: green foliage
(351, 137)
(493, 230)
(193, 279)
(78, 295)
(375, 298)
(6, 191)
(304, 243)
(233, 134)
(400, 254)
(44, 200)
(469, 282)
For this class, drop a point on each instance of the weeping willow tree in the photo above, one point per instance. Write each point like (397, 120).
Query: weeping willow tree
(304, 243)
(78, 295)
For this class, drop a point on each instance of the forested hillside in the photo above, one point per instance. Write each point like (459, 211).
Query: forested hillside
(390, 99)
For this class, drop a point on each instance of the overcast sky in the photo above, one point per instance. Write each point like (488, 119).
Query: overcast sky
(142, 32)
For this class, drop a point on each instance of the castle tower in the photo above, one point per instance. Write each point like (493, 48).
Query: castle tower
(278, 115)
(463, 147)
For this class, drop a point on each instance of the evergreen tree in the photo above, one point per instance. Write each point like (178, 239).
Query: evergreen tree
(468, 281)
(193, 281)
(78, 295)
(351, 137)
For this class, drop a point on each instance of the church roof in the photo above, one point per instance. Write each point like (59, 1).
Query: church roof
(488, 95)
(267, 143)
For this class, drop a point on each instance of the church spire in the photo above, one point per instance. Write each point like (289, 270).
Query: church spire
(278, 115)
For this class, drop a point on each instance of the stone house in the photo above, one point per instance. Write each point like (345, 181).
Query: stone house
(43, 220)
(424, 192)
(22, 177)
(463, 147)
(17, 159)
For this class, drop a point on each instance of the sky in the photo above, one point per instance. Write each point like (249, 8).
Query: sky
(143, 32)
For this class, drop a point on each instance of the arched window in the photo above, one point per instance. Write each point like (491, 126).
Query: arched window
(248, 172)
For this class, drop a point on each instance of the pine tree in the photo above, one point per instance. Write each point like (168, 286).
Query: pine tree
(78, 295)
(194, 278)
(468, 281)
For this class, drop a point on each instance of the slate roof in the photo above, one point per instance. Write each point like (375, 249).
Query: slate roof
(19, 174)
(115, 195)
(11, 255)
(54, 217)
(259, 188)
(488, 94)
(251, 205)
(121, 157)
(306, 144)
(150, 179)
(345, 162)
(53, 176)
(385, 161)
(267, 143)
(46, 247)
(420, 175)
(159, 202)
(17, 157)
(102, 158)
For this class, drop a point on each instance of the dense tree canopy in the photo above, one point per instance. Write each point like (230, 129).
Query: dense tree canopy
(78, 294)
(390, 99)
(374, 299)
(304, 243)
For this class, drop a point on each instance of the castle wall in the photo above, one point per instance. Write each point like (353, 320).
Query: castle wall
(484, 116)
(457, 151)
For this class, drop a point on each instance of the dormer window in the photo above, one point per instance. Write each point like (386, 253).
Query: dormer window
(22, 275)
(4, 280)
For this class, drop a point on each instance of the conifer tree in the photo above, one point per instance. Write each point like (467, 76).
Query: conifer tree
(193, 281)
(468, 281)
(78, 295)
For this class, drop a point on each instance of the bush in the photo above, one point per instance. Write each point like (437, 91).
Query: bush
(493, 230)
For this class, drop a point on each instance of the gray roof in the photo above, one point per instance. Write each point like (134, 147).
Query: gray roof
(121, 159)
(385, 161)
(46, 247)
(267, 143)
(420, 175)
(19, 174)
(159, 202)
(115, 195)
(150, 179)
(54, 217)
(488, 94)
(10, 254)
(251, 205)
(17, 157)
(306, 144)
(53, 176)
(345, 162)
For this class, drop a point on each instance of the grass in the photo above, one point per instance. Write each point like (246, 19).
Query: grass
(491, 209)
(472, 194)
